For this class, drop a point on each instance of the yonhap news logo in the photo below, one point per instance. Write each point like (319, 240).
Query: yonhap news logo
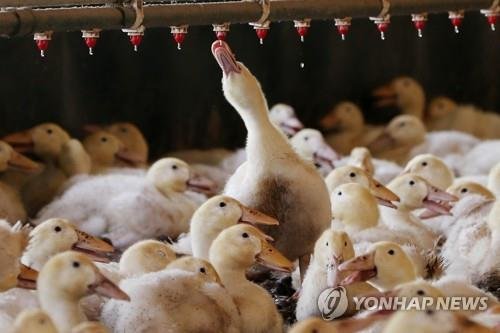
(333, 302)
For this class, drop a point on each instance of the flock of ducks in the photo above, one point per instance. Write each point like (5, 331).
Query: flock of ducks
(94, 239)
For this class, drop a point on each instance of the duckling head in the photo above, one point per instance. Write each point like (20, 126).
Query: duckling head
(310, 144)
(198, 266)
(240, 246)
(283, 116)
(351, 174)
(330, 251)
(494, 179)
(145, 257)
(106, 149)
(415, 192)
(385, 265)
(90, 327)
(463, 188)
(33, 321)
(362, 158)
(11, 159)
(431, 168)
(402, 131)
(44, 140)
(173, 175)
(58, 235)
(354, 206)
(440, 107)
(76, 277)
(132, 138)
(403, 92)
(344, 117)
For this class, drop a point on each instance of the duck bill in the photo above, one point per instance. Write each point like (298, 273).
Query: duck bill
(361, 268)
(27, 278)
(383, 194)
(330, 122)
(93, 247)
(325, 155)
(21, 162)
(382, 142)
(270, 257)
(201, 184)
(107, 288)
(129, 157)
(291, 126)
(253, 217)
(225, 58)
(435, 194)
(437, 202)
(385, 95)
(22, 142)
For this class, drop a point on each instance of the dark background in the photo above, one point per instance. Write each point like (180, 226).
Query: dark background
(175, 96)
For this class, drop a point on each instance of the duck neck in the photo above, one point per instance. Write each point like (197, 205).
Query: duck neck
(231, 277)
(65, 311)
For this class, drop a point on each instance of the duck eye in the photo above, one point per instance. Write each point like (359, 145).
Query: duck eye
(345, 243)
(412, 183)
(49, 131)
(317, 165)
(174, 167)
(76, 264)
(340, 193)
(391, 252)
(402, 124)
(306, 138)
(244, 235)
(57, 229)
(420, 292)
(424, 163)
(222, 204)
(123, 130)
(352, 175)
(104, 139)
(326, 243)
(464, 190)
(203, 270)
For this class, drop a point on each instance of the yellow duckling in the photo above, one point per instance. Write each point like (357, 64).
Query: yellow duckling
(385, 266)
(215, 215)
(90, 327)
(331, 250)
(405, 93)
(77, 276)
(235, 250)
(145, 257)
(11, 206)
(33, 321)
(107, 151)
(130, 135)
(47, 141)
(462, 188)
(398, 138)
(432, 169)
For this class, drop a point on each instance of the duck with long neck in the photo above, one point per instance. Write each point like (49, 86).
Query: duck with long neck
(274, 180)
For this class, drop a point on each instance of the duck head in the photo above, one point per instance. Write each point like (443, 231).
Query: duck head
(415, 192)
(145, 257)
(344, 117)
(311, 145)
(45, 140)
(463, 188)
(402, 131)
(440, 107)
(11, 159)
(241, 246)
(431, 168)
(362, 158)
(385, 265)
(405, 93)
(174, 175)
(201, 267)
(351, 174)
(283, 116)
(106, 150)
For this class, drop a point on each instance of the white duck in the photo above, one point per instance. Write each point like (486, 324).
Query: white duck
(331, 250)
(274, 180)
(234, 251)
(133, 207)
(77, 276)
(164, 301)
(405, 93)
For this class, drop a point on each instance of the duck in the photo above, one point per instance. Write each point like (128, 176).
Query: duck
(186, 285)
(310, 145)
(405, 93)
(129, 207)
(235, 250)
(284, 117)
(216, 214)
(129, 135)
(107, 151)
(331, 250)
(11, 205)
(33, 321)
(431, 168)
(58, 235)
(345, 127)
(385, 266)
(274, 179)
(47, 142)
(77, 276)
